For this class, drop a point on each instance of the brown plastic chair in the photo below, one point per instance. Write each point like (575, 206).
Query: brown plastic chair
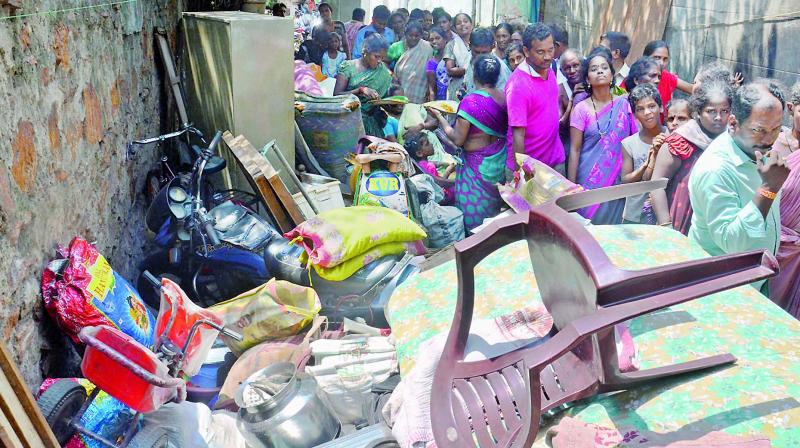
(499, 402)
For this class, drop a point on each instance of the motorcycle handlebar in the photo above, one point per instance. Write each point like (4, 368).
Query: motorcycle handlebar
(215, 141)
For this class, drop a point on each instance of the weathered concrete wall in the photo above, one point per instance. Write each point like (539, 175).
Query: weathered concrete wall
(76, 86)
(577, 17)
(755, 37)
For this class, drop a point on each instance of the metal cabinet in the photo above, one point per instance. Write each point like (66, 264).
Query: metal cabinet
(240, 77)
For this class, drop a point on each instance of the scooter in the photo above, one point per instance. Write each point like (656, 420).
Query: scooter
(217, 254)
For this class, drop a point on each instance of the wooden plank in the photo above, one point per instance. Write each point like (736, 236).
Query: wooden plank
(278, 186)
(287, 200)
(20, 408)
(249, 161)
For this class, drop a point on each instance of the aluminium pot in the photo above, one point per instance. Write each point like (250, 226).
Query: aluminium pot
(280, 408)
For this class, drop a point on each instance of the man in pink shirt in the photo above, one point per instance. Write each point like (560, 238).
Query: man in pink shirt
(532, 100)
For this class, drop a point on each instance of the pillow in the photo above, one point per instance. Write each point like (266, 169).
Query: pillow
(335, 236)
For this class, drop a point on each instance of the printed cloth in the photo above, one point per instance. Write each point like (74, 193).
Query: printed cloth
(410, 70)
(785, 288)
(759, 395)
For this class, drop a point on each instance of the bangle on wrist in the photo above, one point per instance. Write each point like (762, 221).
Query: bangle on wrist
(666, 224)
(764, 192)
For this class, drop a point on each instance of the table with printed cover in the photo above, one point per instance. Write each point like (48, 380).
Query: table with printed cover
(759, 395)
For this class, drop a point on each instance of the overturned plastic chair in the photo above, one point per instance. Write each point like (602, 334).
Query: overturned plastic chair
(499, 402)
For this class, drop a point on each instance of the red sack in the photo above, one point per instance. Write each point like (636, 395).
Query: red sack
(80, 290)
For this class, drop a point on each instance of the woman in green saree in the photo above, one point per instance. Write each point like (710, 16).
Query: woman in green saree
(369, 79)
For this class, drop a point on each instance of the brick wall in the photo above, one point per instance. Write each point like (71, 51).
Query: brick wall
(76, 87)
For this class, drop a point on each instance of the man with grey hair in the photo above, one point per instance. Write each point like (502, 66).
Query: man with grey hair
(734, 187)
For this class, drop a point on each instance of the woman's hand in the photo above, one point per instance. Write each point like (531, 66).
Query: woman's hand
(737, 79)
(658, 142)
(370, 94)
(435, 113)
(449, 171)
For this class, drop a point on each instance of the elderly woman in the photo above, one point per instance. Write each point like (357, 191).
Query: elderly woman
(369, 79)
(644, 71)
(785, 288)
(480, 130)
(410, 67)
(710, 107)
(457, 55)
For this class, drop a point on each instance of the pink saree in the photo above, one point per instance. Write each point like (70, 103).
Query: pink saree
(785, 288)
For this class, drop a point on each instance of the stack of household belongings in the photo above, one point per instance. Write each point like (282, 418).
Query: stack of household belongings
(443, 223)
(382, 170)
(348, 370)
(339, 242)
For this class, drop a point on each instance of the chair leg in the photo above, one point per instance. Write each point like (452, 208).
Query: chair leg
(629, 380)
(614, 379)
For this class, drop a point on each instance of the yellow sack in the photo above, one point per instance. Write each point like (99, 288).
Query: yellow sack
(276, 309)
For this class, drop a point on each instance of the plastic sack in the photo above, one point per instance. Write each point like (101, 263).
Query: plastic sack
(295, 350)
(106, 416)
(343, 271)
(444, 224)
(276, 309)
(335, 236)
(81, 290)
(534, 184)
(194, 425)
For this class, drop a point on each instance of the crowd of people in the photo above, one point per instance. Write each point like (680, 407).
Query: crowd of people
(589, 116)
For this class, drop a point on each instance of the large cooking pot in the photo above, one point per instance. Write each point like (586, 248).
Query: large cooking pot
(280, 408)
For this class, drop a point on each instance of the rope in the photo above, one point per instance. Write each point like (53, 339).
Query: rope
(65, 10)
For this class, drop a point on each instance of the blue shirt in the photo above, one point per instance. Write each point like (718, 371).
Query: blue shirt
(388, 34)
(392, 125)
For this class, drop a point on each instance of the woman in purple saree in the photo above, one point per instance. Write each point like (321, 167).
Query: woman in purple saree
(480, 131)
(598, 125)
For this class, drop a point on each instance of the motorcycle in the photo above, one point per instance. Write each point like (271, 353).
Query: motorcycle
(218, 247)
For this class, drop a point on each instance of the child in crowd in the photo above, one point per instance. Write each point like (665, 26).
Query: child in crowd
(677, 114)
(393, 112)
(419, 147)
(333, 58)
(514, 56)
(640, 149)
